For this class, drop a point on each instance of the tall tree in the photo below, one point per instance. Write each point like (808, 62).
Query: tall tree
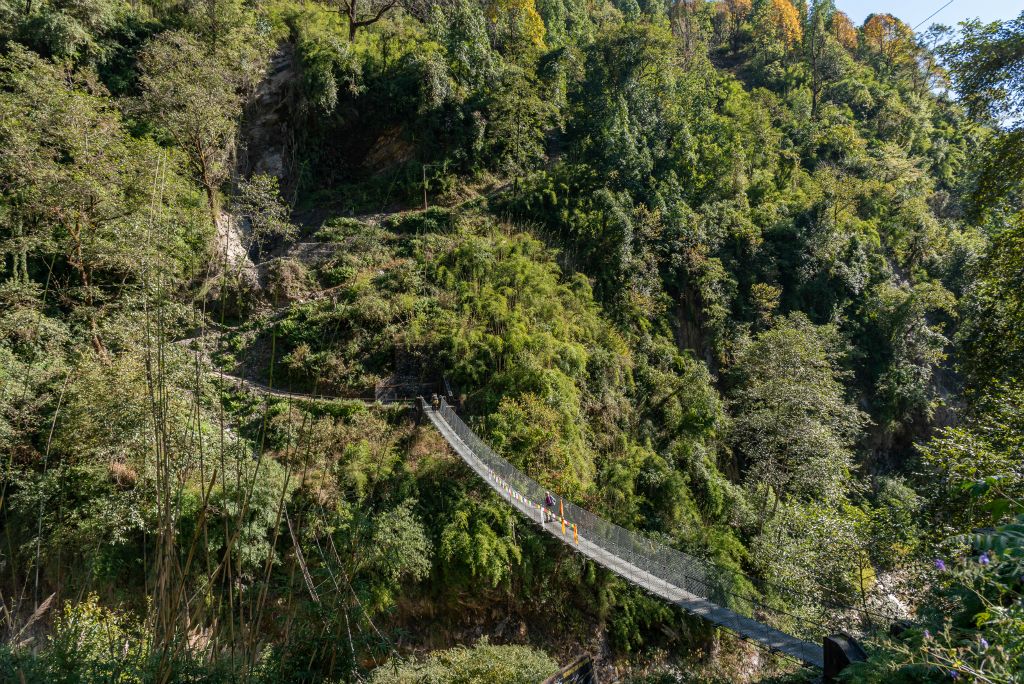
(825, 58)
(779, 20)
(843, 30)
(993, 312)
(75, 186)
(793, 425)
(194, 98)
(889, 41)
(987, 64)
(516, 26)
(736, 12)
(690, 23)
(362, 13)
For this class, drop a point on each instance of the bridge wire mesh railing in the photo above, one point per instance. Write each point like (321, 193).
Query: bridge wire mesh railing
(693, 575)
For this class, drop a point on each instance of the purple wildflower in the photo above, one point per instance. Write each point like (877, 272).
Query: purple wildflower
(953, 674)
(927, 634)
(984, 559)
(940, 565)
(983, 643)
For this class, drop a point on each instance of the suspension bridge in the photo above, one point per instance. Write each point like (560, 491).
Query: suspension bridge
(691, 583)
(694, 584)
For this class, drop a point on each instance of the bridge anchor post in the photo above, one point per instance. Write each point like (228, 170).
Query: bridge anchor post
(840, 651)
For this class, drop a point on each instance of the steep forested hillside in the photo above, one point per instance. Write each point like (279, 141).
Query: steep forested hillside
(738, 274)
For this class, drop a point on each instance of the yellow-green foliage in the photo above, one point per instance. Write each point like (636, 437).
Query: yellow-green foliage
(482, 664)
(478, 543)
(517, 24)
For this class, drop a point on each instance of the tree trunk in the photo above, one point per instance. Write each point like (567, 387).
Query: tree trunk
(211, 202)
(77, 260)
(16, 254)
(201, 163)
(352, 24)
(210, 188)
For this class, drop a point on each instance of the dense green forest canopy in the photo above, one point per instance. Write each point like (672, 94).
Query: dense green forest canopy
(739, 275)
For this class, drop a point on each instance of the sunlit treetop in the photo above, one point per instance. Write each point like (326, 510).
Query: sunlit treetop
(785, 21)
(519, 24)
(844, 30)
(887, 35)
(738, 9)
(734, 13)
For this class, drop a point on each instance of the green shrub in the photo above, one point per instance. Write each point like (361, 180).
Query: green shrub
(482, 664)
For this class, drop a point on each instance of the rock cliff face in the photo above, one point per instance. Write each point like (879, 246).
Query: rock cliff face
(267, 143)
(265, 146)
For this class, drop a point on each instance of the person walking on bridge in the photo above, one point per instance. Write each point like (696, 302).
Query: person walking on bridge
(549, 506)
